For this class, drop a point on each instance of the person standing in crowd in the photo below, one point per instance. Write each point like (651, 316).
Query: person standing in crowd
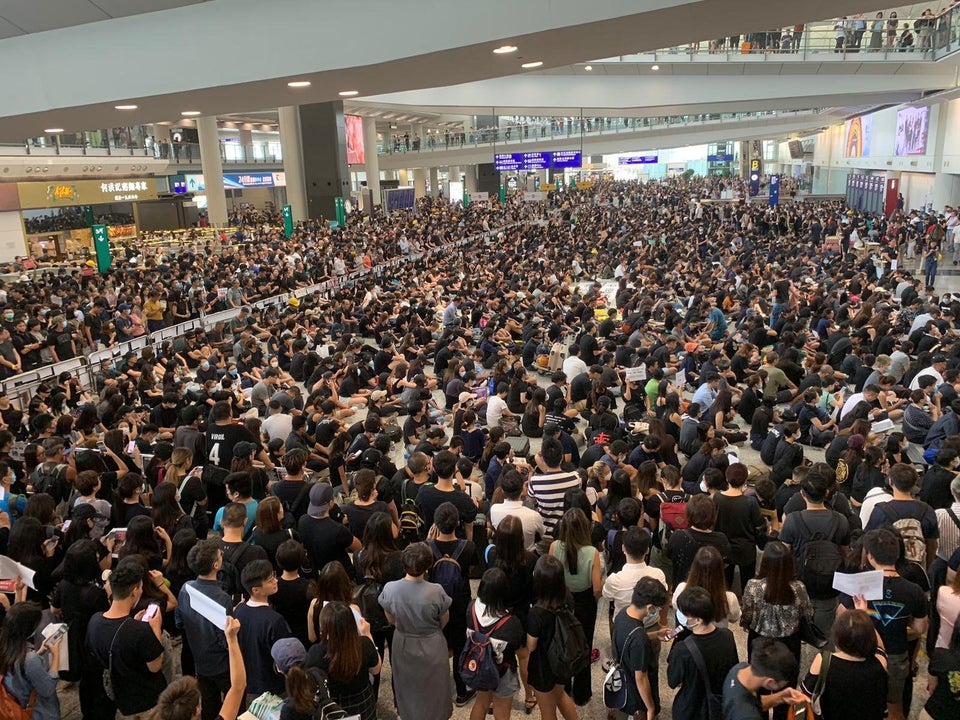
(419, 610)
(130, 650)
(700, 663)
(552, 596)
(549, 483)
(882, 548)
(856, 671)
(770, 669)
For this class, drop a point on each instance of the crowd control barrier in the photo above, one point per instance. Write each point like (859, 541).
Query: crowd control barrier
(20, 388)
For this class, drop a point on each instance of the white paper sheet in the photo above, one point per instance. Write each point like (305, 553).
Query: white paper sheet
(636, 374)
(681, 379)
(207, 607)
(11, 569)
(869, 584)
(65, 643)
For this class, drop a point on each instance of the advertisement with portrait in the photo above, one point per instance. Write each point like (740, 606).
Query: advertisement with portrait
(913, 125)
(354, 130)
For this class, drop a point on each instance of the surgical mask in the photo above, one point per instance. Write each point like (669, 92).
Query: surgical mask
(651, 616)
(205, 365)
(8, 316)
(113, 366)
(234, 373)
(274, 363)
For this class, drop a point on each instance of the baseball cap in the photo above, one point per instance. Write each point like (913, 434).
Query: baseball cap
(243, 448)
(288, 653)
(464, 396)
(371, 457)
(321, 495)
(691, 347)
(939, 358)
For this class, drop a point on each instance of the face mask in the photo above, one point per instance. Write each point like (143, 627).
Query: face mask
(691, 624)
(8, 316)
(113, 366)
(651, 616)
(234, 373)
(274, 364)
(205, 365)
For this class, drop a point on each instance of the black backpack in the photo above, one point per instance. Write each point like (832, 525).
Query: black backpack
(819, 558)
(49, 478)
(367, 597)
(412, 523)
(229, 575)
(568, 652)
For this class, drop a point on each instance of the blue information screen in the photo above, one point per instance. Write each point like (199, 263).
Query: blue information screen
(637, 160)
(516, 162)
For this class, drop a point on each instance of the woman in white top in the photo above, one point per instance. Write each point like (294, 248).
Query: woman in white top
(948, 606)
(707, 572)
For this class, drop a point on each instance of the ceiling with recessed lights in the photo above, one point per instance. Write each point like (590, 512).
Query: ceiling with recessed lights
(155, 62)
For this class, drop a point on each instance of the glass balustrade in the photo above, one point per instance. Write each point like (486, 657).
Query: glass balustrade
(528, 130)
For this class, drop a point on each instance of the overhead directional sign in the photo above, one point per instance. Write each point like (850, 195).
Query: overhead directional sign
(517, 162)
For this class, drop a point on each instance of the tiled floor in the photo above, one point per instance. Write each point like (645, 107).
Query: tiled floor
(948, 281)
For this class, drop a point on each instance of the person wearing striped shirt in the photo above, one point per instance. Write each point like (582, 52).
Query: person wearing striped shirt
(549, 485)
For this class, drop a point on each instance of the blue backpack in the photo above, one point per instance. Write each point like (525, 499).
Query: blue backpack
(478, 663)
(446, 570)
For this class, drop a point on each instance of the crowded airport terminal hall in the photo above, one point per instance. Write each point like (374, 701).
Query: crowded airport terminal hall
(450, 361)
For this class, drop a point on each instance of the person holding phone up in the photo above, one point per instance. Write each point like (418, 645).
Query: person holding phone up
(26, 669)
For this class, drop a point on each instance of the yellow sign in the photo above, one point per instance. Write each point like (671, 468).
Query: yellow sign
(85, 192)
(584, 184)
(548, 186)
(754, 164)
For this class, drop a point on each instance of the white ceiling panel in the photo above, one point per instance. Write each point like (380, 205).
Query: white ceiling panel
(7, 30)
(34, 16)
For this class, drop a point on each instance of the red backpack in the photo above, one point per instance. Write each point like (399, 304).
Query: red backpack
(673, 516)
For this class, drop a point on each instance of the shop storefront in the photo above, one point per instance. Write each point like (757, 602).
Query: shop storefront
(57, 215)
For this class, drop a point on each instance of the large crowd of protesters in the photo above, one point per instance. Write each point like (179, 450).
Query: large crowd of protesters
(275, 507)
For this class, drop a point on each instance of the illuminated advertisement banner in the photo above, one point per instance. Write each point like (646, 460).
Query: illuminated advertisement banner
(238, 181)
(67, 193)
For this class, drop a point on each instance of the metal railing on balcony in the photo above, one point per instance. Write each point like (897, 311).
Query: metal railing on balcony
(871, 37)
(175, 153)
(544, 129)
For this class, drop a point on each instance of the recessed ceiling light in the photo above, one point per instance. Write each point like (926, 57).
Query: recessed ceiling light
(588, 68)
(348, 93)
(505, 49)
(655, 67)
(299, 84)
(190, 113)
(53, 131)
(535, 63)
(125, 107)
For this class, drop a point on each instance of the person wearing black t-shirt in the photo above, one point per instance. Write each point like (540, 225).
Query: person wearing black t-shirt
(431, 497)
(260, 627)
(683, 544)
(717, 650)
(901, 614)
(324, 538)
(134, 646)
(222, 434)
(632, 644)
(447, 544)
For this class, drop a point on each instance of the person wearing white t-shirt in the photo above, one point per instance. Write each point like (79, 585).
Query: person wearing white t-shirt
(618, 587)
(512, 485)
(874, 497)
(937, 366)
(574, 365)
(278, 424)
(497, 406)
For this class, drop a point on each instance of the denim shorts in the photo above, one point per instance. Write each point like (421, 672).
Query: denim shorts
(509, 684)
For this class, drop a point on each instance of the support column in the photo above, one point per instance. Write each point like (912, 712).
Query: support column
(434, 182)
(471, 178)
(323, 143)
(419, 183)
(453, 175)
(404, 177)
(212, 167)
(371, 159)
(293, 161)
(246, 144)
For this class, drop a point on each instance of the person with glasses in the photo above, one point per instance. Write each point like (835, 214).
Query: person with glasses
(260, 627)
